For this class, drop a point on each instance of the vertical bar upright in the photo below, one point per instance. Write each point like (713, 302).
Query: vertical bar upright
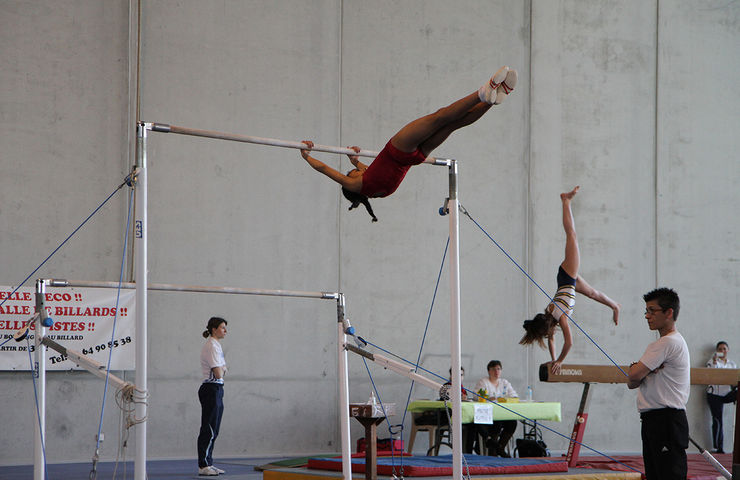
(343, 374)
(140, 263)
(736, 443)
(39, 371)
(456, 427)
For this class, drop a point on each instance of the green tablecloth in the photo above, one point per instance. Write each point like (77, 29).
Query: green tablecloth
(502, 411)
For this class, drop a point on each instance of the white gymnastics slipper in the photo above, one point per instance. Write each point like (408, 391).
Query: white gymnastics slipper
(487, 93)
(506, 87)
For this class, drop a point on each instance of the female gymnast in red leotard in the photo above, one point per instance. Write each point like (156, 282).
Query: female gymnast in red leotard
(413, 143)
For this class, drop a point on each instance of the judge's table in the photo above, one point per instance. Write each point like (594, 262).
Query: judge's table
(478, 412)
(486, 413)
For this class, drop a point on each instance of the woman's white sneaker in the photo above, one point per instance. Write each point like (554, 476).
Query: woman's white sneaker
(208, 471)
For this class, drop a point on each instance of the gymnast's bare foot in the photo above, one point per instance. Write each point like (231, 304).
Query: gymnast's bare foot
(615, 315)
(569, 195)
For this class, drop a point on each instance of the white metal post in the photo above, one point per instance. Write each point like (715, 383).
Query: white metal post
(456, 427)
(140, 262)
(343, 373)
(39, 371)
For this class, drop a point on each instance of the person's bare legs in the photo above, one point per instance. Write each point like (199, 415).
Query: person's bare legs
(584, 288)
(431, 130)
(441, 135)
(411, 136)
(572, 255)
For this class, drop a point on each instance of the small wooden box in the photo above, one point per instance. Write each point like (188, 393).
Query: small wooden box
(371, 411)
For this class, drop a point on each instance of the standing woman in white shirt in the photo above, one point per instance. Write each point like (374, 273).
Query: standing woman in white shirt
(211, 394)
(718, 395)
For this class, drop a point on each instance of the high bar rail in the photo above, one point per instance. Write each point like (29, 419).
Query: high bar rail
(274, 142)
(170, 287)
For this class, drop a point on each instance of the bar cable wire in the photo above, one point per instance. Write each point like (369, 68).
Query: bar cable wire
(96, 455)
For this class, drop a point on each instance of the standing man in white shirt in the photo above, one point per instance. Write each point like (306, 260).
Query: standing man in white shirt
(663, 377)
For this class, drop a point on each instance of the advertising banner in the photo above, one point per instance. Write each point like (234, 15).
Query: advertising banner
(83, 321)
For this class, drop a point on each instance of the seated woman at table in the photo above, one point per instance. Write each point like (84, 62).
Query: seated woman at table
(498, 434)
(448, 385)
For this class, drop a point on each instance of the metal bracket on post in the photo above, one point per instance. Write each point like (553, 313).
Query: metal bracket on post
(131, 178)
(44, 317)
(445, 208)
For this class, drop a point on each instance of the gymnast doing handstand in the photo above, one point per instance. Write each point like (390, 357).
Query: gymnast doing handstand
(413, 143)
(561, 308)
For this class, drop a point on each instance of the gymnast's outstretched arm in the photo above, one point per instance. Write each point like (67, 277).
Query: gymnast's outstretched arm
(567, 344)
(353, 184)
(355, 159)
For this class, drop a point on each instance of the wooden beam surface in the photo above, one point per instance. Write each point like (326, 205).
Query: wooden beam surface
(611, 374)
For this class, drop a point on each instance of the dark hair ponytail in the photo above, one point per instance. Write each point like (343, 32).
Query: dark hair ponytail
(357, 199)
(537, 329)
(213, 323)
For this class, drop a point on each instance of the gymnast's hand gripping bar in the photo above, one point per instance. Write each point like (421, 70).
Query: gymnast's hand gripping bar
(274, 142)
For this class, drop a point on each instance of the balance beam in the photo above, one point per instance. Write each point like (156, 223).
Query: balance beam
(588, 374)
(611, 374)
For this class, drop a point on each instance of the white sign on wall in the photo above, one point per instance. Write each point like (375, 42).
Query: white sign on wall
(83, 321)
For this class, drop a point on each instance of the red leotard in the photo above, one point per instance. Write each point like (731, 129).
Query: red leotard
(387, 171)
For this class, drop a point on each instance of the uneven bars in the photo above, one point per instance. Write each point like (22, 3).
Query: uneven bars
(169, 287)
(274, 142)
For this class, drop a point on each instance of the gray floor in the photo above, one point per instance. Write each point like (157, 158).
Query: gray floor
(236, 469)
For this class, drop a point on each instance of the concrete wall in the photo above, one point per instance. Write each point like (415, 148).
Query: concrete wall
(634, 101)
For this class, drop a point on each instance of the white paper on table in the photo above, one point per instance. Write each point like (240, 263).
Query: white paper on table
(483, 413)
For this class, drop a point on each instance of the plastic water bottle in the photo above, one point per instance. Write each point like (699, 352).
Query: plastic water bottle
(529, 393)
(372, 400)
